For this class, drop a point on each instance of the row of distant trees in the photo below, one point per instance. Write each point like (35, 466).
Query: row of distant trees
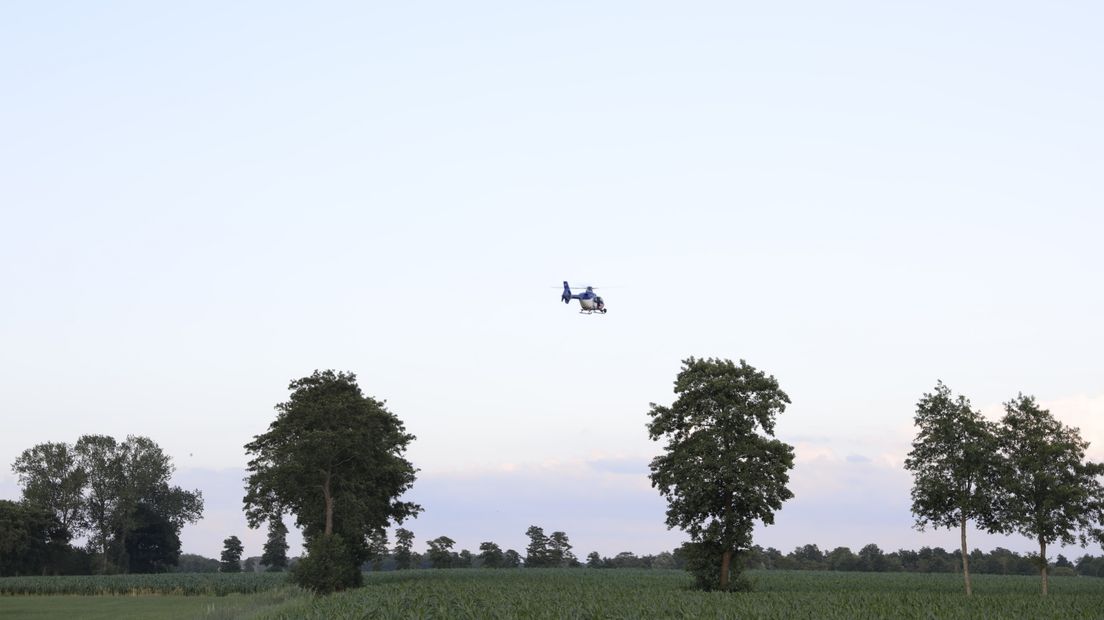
(114, 495)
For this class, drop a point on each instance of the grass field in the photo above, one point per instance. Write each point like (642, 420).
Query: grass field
(579, 593)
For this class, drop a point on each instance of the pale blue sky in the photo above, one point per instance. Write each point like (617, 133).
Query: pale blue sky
(201, 202)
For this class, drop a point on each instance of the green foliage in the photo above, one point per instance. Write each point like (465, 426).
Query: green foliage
(955, 465)
(333, 458)
(1049, 492)
(722, 470)
(25, 538)
(193, 563)
(779, 595)
(153, 545)
(537, 554)
(377, 548)
(52, 479)
(490, 555)
(440, 552)
(192, 584)
(404, 549)
(275, 547)
(328, 567)
(230, 560)
(110, 491)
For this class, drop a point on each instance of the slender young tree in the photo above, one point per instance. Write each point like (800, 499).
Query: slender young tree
(275, 548)
(1050, 492)
(722, 469)
(955, 463)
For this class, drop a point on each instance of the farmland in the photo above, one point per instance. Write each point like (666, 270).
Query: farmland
(558, 593)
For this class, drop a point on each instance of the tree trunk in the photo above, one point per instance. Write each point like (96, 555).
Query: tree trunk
(329, 505)
(965, 558)
(1043, 563)
(726, 565)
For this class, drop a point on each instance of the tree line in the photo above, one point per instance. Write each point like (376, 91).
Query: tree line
(116, 495)
(333, 459)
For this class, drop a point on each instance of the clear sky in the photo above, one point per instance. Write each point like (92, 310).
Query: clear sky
(201, 201)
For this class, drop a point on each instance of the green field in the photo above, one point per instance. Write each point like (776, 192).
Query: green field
(578, 593)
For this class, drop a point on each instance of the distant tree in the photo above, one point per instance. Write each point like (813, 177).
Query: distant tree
(404, 546)
(275, 548)
(663, 561)
(333, 458)
(153, 545)
(463, 559)
(440, 552)
(954, 462)
(872, 559)
(559, 551)
(192, 563)
(537, 554)
(809, 557)
(594, 560)
(491, 555)
(377, 549)
(230, 561)
(1049, 491)
(511, 559)
(722, 469)
(52, 479)
(842, 559)
(249, 565)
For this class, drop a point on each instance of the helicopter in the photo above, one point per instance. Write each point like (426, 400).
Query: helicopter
(588, 300)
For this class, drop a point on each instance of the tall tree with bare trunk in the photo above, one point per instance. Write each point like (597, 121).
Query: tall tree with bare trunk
(1049, 491)
(955, 465)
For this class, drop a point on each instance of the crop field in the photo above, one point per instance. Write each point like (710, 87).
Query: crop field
(580, 593)
(191, 584)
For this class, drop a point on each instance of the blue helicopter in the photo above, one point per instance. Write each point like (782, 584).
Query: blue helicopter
(588, 300)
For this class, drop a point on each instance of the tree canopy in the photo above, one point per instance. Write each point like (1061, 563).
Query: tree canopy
(334, 459)
(722, 470)
(955, 464)
(109, 491)
(1049, 492)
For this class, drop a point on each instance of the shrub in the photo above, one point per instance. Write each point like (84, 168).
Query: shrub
(328, 567)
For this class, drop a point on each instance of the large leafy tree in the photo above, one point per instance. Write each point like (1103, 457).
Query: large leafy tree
(107, 490)
(722, 469)
(52, 479)
(1049, 491)
(333, 458)
(955, 462)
